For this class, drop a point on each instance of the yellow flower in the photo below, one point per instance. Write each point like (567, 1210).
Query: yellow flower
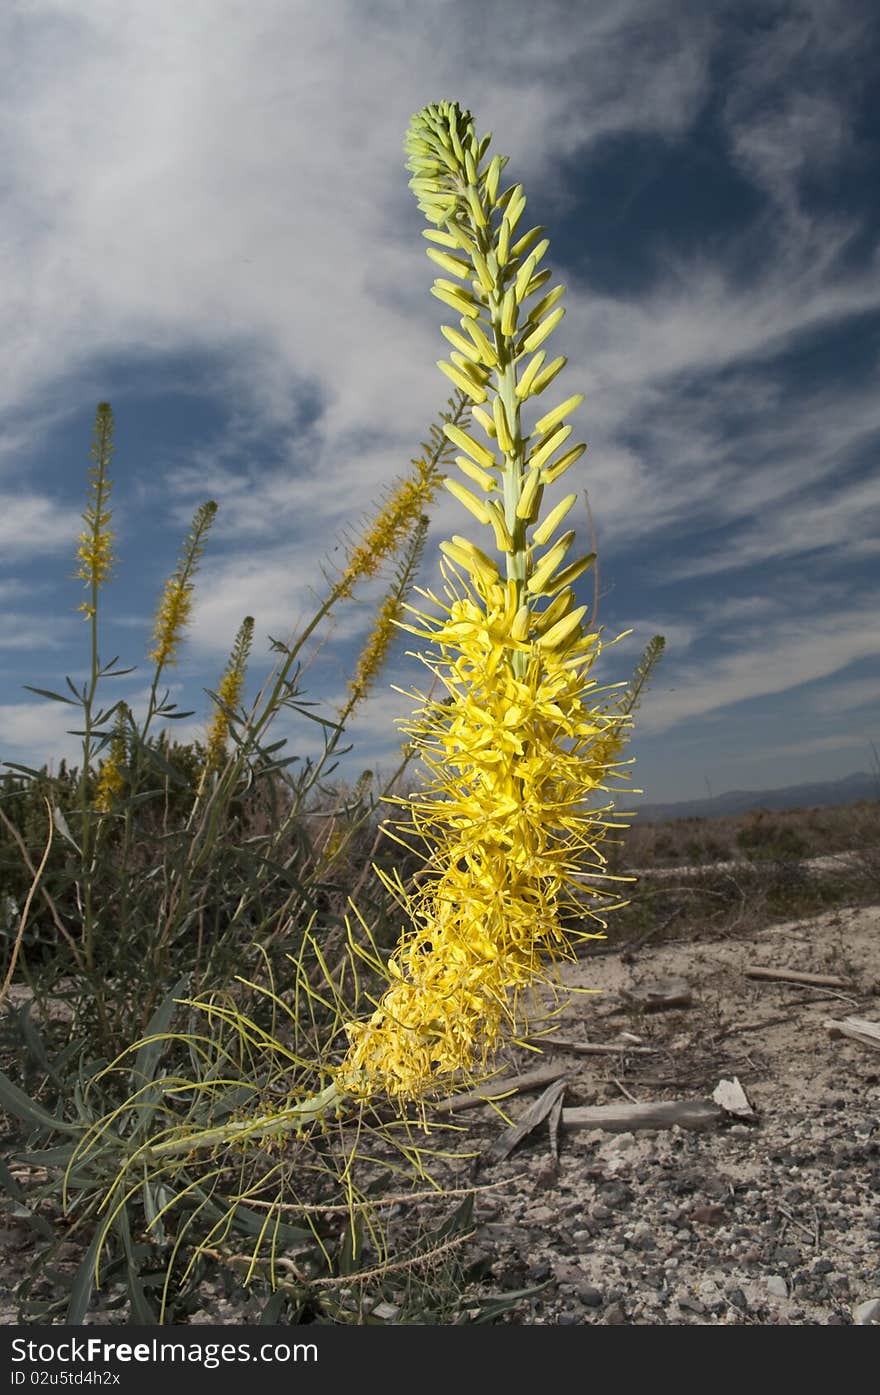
(511, 761)
(175, 606)
(95, 551)
(111, 780)
(229, 692)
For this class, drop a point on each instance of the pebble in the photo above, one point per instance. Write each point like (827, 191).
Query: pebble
(776, 1285)
(589, 1296)
(868, 1313)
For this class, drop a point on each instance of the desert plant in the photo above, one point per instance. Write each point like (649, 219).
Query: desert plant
(520, 757)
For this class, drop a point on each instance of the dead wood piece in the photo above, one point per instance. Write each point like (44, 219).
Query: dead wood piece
(554, 1120)
(733, 1098)
(533, 1116)
(657, 997)
(494, 1089)
(795, 976)
(663, 1114)
(857, 1028)
(598, 1048)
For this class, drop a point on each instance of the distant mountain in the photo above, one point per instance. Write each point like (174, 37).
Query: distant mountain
(847, 791)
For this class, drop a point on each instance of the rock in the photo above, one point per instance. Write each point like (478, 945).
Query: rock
(615, 1315)
(867, 1314)
(387, 1311)
(589, 1296)
(708, 1215)
(615, 1194)
(776, 1286)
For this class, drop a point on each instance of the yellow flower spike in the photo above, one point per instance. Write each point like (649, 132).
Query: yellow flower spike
(464, 496)
(544, 532)
(519, 744)
(229, 692)
(551, 419)
(175, 606)
(95, 551)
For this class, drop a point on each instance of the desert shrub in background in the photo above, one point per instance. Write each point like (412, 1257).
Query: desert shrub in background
(256, 1109)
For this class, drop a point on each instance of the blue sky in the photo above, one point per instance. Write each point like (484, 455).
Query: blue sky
(206, 222)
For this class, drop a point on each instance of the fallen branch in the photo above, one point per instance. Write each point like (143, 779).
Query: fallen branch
(597, 1048)
(795, 976)
(536, 1113)
(658, 997)
(496, 1089)
(858, 1028)
(664, 1114)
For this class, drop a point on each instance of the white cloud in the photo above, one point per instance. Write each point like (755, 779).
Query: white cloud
(780, 657)
(32, 523)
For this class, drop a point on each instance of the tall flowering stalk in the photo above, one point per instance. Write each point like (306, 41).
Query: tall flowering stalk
(229, 695)
(520, 742)
(95, 559)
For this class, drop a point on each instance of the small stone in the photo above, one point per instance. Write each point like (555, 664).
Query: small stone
(823, 1266)
(615, 1315)
(386, 1311)
(643, 1239)
(867, 1314)
(541, 1215)
(615, 1194)
(776, 1286)
(589, 1296)
(708, 1215)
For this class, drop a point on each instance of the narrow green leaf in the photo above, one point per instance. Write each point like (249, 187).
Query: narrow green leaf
(84, 1282)
(23, 1107)
(47, 693)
